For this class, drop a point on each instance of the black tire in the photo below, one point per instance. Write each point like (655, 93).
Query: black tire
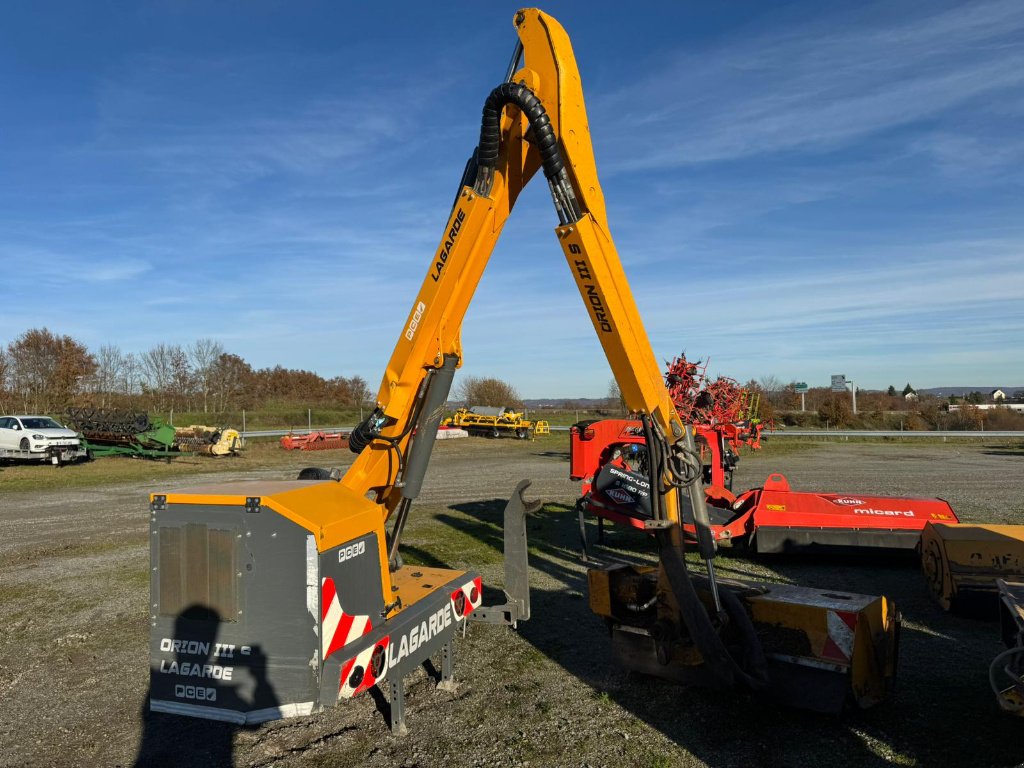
(315, 473)
(522, 434)
(24, 444)
(495, 432)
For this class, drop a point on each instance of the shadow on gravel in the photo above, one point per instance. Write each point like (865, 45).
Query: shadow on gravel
(943, 712)
(180, 741)
(563, 455)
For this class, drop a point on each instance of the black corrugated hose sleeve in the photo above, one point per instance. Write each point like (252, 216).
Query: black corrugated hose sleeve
(543, 134)
(361, 435)
(754, 671)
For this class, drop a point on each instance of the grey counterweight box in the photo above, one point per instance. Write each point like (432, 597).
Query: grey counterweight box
(250, 621)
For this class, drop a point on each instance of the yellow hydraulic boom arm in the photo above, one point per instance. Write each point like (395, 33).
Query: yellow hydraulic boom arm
(536, 120)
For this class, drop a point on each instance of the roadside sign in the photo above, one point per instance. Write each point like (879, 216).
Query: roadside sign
(800, 387)
(838, 382)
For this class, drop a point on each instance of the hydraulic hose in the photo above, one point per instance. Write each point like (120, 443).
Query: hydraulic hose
(365, 432)
(653, 469)
(1005, 662)
(543, 134)
(753, 672)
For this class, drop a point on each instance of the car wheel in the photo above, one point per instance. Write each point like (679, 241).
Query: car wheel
(24, 444)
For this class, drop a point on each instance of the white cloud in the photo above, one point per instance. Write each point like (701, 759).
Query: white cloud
(810, 87)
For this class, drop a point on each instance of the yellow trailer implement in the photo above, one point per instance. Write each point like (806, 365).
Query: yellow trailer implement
(490, 421)
(961, 562)
(211, 441)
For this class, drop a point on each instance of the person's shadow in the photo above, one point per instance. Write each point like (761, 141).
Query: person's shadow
(179, 741)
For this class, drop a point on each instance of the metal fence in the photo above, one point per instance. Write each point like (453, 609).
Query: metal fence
(846, 434)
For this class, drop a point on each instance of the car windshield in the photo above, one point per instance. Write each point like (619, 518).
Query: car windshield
(40, 423)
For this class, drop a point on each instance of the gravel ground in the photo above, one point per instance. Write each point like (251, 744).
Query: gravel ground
(73, 650)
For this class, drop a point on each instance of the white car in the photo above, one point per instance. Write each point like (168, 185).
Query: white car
(39, 438)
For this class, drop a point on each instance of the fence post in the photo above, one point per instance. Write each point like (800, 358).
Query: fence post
(243, 420)
(309, 418)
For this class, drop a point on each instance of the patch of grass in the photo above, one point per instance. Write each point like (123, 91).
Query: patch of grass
(80, 548)
(21, 602)
(9, 593)
(271, 416)
(132, 577)
(119, 470)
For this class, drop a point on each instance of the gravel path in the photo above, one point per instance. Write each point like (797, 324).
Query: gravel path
(73, 650)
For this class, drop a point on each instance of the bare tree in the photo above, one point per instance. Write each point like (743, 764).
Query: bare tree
(3, 379)
(771, 385)
(109, 364)
(181, 377)
(359, 391)
(474, 390)
(232, 383)
(131, 373)
(158, 372)
(204, 354)
(615, 398)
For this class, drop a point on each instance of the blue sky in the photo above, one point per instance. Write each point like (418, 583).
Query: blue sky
(796, 189)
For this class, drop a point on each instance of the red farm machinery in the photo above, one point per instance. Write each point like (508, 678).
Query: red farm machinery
(609, 457)
(315, 441)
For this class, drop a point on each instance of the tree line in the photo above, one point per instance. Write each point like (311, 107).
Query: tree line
(45, 372)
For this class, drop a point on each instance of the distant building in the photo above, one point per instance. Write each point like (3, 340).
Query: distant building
(997, 395)
(1019, 407)
(911, 395)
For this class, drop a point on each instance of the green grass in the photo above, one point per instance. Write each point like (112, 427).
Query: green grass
(116, 470)
(268, 417)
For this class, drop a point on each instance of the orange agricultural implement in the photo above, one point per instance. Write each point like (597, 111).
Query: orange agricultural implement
(610, 457)
(720, 404)
(315, 441)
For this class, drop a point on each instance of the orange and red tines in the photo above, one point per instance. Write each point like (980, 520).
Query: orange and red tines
(720, 403)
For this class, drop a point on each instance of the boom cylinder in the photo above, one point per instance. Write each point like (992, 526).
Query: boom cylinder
(426, 427)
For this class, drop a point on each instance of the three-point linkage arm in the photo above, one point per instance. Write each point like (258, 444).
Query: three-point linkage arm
(536, 120)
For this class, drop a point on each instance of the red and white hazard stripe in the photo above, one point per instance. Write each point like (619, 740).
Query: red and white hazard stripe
(467, 598)
(365, 670)
(842, 629)
(338, 628)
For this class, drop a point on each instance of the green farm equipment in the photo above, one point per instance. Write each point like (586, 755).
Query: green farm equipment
(112, 432)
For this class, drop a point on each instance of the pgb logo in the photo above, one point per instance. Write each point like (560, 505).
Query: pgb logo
(352, 550)
(415, 322)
